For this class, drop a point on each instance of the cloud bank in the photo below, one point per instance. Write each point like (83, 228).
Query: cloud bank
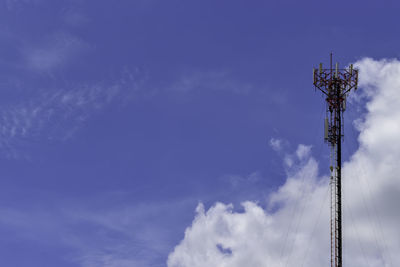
(293, 228)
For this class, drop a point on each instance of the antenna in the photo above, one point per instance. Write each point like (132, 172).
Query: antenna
(335, 85)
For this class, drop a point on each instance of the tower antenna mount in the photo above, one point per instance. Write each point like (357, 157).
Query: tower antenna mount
(335, 85)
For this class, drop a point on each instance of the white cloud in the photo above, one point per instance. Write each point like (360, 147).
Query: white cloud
(256, 236)
(293, 229)
(303, 151)
(276, 144)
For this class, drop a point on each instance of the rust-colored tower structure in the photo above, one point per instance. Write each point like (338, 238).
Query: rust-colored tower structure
(335, 84)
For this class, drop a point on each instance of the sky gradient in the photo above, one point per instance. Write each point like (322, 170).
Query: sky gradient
(117, 118)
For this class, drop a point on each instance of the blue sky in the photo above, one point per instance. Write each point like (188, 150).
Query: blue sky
(118, 117)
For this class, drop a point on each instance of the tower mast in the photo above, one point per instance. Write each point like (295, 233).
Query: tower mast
(335, 84)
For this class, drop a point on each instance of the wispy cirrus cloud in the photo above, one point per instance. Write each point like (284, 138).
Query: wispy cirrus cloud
(54, 52)
(190, 82)
(57, 114)
(75, 17)
(110, 236)
(238, 181)
(15, 4)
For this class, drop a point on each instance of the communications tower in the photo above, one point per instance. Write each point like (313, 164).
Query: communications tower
(336, 85)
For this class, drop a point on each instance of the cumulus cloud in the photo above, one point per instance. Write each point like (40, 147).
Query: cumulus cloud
(293, 228)
(258, 236)
(276, 144)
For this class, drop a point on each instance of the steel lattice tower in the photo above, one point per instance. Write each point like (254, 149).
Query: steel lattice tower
(335, 84)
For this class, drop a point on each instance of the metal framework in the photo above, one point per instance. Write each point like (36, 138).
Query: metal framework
(335, 84)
